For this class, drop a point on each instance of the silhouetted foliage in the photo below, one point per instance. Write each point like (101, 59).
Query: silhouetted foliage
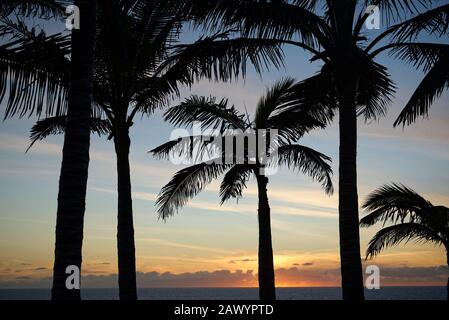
(354, 83)
(409, 217)
(237, 167)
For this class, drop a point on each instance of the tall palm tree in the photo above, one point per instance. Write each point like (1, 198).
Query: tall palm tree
(272, 112)
(332, 32)
(28, 64)
(75, 153)
(411, 216)
(138, 68)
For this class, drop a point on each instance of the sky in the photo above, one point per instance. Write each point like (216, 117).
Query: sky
(208, 245)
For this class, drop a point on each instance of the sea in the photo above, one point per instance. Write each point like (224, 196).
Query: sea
(386, 293)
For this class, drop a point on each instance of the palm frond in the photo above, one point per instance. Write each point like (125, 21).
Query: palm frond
(151, 93)
(293, 123)
(312, 104)
(278, 96)
(263, 19)
(393, 235)
(154, 27)
(222, 58)
(185, 184)
(431, 20)
(18, 29)
(208, 111)
(278, 20)
(234, 181)
(434, 21)
(34, 72)
(375, 90)
(45, 9)
(308, 161)
(420, 55)
(393, 203)
(305, 106)
(316, 95)
(57, 125)
(435, 82)
(392, 10)
(184, 146)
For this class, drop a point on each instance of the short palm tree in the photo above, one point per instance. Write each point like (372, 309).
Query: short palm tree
(413, 218)
(332, 32)
(238, 167)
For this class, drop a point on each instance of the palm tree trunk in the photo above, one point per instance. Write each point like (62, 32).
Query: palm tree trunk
(266, 268)
(351, 264)
(75, 156)
(125, 228)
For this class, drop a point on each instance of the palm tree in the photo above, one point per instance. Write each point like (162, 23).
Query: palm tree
(332, 32)
(272, 113)
(31, 58)
(138, 68)
(411, 216)
(75, 153)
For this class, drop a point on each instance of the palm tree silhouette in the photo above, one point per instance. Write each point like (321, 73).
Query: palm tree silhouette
(413, 218)
(272, 112)
(332, 32)
(75, 153)
(27, 67)
(139, 68)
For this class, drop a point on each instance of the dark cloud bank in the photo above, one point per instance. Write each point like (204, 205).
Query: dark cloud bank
(227, 278)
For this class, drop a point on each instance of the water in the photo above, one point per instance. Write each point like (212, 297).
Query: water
(387, 293)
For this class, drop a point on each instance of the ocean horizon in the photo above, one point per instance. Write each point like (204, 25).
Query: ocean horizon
(299, 293)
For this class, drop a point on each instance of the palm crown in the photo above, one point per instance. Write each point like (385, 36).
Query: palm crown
(272, 112)
(325, 28)
(412, 218)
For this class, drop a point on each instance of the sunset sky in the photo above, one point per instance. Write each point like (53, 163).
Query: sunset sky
(211, 245)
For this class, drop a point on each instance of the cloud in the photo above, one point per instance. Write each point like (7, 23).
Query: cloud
(184, 246)
(414, 274)
(242, 260)
(306, 264)
(245, 208)
(435, 275)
